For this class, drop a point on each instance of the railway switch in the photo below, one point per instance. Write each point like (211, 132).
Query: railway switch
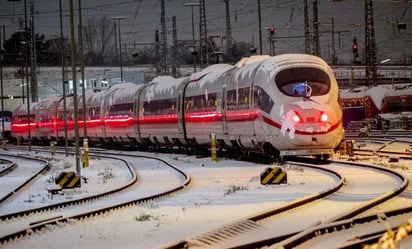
(273, 176)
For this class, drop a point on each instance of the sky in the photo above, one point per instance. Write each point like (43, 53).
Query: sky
(143, 18)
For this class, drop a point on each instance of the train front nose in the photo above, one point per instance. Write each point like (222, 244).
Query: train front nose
(308, 127)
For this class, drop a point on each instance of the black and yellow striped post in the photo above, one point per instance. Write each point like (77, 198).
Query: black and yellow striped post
(273, 176)
(68, 180)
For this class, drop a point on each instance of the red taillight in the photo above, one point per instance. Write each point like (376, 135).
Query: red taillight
(296, 118)
(324, 117)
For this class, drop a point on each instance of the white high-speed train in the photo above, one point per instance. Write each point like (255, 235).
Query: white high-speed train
(281, 105)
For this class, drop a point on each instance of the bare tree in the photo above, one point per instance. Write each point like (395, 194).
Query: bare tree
(98, 35)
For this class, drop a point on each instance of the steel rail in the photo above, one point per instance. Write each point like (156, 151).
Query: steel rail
(345, 220)
(293, 239)
(239, 227)
(9, 166)
(62, 220)
(28, 180)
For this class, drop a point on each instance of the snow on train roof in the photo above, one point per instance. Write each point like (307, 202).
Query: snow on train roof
(126, 90)
(209, 76)
(163, 85)
(376, 93)
(216, 68)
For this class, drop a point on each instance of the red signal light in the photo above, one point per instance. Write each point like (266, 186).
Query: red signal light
(272, 30)
(355, 46)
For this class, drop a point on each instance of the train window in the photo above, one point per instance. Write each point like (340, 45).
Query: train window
(45, 118)
(262, 100)
(6, 119)
(25, 118)
(94, 113)
(238, 99)
(204, 102)
(124, 109)
(303, 82)
(159, 107)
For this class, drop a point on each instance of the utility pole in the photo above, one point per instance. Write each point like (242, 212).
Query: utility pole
(175, 64)
(33, 75)
(307, 33)
(316, 45)
(334, 59)
(118, 19)
(228, 28)
(271, 30)
(157, 53)
(26, 62)
(63, 62)
(194, 52)
(80, 31)
(163, 45)
(204, 54)
(115, 42)
(74, 78)
(1, 85)
(260, 29)
(370, 44)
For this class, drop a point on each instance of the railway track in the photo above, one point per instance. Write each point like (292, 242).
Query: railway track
(345, 200)
(393, 145)
(18, 173)
(29, 221)
(6, 166)
(262, 229)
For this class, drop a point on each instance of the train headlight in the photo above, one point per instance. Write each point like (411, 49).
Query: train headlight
(324, 117)
(296, 118)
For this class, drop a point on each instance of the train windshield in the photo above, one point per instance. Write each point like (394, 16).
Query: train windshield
(303, 82)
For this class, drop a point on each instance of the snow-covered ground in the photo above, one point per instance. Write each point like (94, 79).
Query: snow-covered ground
(220, 193)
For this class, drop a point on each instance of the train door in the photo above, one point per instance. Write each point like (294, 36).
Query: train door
(180, 108)
(138, 112)
(224, 120)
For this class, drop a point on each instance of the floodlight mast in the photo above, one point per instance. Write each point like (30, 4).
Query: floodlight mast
(118, 19)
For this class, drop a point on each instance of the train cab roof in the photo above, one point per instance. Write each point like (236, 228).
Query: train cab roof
(251, 59)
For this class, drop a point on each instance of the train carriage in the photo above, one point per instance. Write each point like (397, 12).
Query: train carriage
(23, 125)
(119, 119)
(203, 112)
(95, 110)
(243, 117)
(5, 124)
(70, 121)
(158, 114)
(46, 119)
